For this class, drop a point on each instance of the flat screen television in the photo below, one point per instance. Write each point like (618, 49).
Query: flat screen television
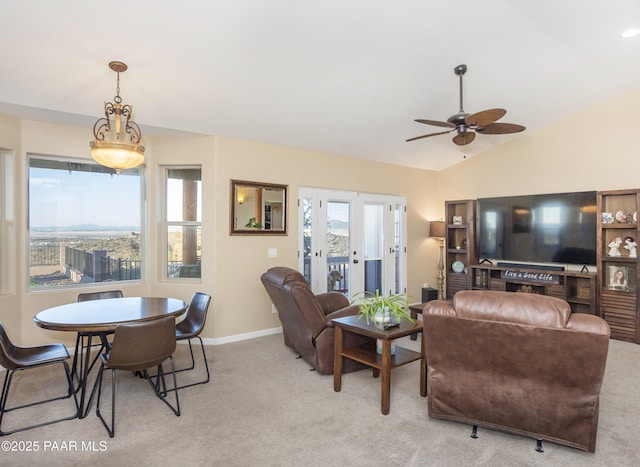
(551, 228)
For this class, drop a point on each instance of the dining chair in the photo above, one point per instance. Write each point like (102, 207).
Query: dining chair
(190, 328)
(84, 339)
(14, 358)
(135, 348)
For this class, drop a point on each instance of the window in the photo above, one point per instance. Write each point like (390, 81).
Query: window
(84, 223)
(182, 219)
(7, 233)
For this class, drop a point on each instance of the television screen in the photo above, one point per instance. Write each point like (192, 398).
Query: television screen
(551, 228)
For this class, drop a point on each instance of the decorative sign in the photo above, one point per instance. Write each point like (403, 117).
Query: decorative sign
(524, 276)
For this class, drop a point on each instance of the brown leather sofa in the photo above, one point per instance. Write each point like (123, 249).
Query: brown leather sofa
(306, 318)
(517, 362)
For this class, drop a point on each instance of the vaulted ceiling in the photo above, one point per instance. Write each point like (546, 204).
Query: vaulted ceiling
(341, 76)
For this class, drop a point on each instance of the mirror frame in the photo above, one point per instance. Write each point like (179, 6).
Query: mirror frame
(233, 203)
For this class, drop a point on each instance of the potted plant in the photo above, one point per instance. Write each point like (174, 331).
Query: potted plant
(252, 224)
(381, 310)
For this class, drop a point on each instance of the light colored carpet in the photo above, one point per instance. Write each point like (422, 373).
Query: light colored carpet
(264, 407)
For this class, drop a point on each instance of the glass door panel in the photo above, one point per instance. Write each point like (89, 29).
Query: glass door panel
(351, 242)
(373, 248)
(307, 238)
(398, 248)
(338, 246)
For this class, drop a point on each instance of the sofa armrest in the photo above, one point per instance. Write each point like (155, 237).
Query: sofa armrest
(347, 311)
(332, 301)
(439, 307)
(588, 323)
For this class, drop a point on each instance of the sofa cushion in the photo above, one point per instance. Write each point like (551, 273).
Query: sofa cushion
(510, 307)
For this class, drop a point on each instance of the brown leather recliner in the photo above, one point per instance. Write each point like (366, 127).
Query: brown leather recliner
(517, 362)
(306, 318)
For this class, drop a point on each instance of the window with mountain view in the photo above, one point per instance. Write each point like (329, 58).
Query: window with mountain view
(182, 219)
(84, 223)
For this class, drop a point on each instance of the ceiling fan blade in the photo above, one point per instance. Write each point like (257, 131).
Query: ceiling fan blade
(484, 118)
(430, 134)
(464, 138)
(500, 129)
(435, 123)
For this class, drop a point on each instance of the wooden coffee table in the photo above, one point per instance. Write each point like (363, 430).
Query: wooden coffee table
(366, 353)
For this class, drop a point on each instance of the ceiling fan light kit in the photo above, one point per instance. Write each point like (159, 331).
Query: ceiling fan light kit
(466, 125)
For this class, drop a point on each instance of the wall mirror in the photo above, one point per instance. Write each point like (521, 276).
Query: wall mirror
(258, 208)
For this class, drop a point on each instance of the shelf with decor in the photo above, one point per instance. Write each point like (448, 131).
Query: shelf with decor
(618, 285)
(459, 245)
(576, 287)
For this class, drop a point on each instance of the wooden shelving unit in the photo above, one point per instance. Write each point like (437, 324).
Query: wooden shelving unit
(577, 288)
(592, 292)
(459, 244)
(618, 302)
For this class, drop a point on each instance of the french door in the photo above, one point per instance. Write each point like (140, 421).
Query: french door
(352, 242)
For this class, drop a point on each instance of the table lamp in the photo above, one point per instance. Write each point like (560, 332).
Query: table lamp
(437, 231)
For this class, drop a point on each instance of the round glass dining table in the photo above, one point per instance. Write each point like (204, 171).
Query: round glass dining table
(98, 318)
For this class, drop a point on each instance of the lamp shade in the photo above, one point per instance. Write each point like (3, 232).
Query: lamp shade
(437, 229)
(117, 155)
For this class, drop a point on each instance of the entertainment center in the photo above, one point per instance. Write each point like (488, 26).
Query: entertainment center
(576, 246)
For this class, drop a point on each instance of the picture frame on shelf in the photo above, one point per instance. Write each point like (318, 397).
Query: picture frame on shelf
(607, 218)
(617, 278)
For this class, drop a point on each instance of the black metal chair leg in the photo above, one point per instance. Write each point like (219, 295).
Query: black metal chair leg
(474, 432)
(193, 360)
(98, 386)
(160, 387)
(206, 366)
(539, 445)
(5, 395)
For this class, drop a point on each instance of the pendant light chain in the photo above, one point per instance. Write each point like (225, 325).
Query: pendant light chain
(118, 99)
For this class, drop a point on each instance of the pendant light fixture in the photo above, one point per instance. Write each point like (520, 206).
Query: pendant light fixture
(117, 136)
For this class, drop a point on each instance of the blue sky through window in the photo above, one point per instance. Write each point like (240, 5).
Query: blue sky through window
(59, 198)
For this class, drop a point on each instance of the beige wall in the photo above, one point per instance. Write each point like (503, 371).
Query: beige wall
(245, 306)
(595, 149)
(231, 264)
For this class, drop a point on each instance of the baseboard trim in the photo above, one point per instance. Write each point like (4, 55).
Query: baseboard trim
(238, 337)
(220, 340)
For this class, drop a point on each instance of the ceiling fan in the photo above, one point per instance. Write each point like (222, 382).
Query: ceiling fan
(464, 124)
